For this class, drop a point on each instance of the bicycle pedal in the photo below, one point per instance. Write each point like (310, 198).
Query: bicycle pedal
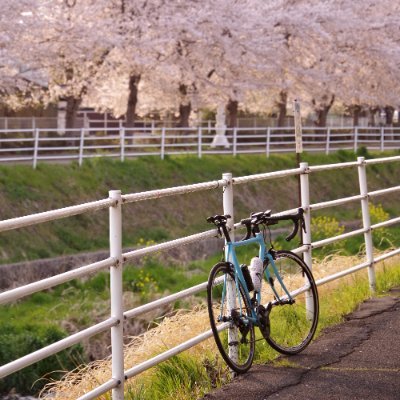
(263, 318)
(244, 340)
(289, 301)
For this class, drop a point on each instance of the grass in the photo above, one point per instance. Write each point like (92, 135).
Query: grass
(24, 191)
(85, 301)
(197, 371)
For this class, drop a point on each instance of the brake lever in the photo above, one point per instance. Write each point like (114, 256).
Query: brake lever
(301, 217)
(303, 224)
(295, 230)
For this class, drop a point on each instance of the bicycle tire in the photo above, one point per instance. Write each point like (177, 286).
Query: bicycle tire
(219, 315)
(292, 326)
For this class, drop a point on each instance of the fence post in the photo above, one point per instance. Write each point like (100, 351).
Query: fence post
(162, 143)
(122, 140)
(199, 143)
(231, 287)
(328, 138)
(305, 204)
(382, 138)
(81, 142)
(268, 141)
(86, 121)
(355, 139)
(369, 247)
(35, 147)
(234, 141)
(117, 343)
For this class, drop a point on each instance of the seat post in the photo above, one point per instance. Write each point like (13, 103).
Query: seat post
(226, 232)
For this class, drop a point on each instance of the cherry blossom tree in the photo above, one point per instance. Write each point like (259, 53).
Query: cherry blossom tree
(131, 56)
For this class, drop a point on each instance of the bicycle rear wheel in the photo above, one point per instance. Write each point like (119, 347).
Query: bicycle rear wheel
(236, 343)
(292, 326)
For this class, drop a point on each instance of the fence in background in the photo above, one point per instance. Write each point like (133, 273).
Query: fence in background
(35, 145)
(117, 258)
(91, 119)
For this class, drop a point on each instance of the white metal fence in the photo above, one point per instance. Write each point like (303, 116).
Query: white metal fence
(117, 259)
(35, 145)
(92, 119)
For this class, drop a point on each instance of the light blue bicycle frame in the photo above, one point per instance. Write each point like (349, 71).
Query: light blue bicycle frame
(230, 256)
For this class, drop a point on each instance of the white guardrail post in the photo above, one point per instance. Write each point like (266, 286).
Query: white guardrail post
(305, 204)
(81, 144)
(122, 141)
(117, 343)
(234, 147)
(369, 247)
(35, 147)
(355, 139)
(268, 145)
(162, 150)
(199, 142)
(231, 287)
(328, 139)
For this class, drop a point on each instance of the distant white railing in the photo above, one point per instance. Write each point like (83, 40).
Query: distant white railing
(92, 119)
(117, 259)
(36, 145)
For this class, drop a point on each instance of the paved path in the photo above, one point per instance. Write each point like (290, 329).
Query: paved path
(357, 360)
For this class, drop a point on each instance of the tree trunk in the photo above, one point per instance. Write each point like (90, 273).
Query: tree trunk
(184, 115)
(232, 108)
(72, 108)
(355, 112)
(389, 111)
(132, 100)
(185, 108)
(322, 112)
(322, 116)
(371, 116)
(282, 108)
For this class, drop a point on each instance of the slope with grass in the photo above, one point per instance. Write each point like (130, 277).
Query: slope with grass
(25, 191)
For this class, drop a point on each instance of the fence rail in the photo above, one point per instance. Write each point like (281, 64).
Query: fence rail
(36, 145)
(117, 258)
(89, 119)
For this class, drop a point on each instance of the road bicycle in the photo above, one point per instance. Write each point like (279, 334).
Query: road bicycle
(276, 293)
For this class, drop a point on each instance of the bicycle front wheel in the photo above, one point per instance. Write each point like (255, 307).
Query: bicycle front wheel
(229, 310)
(292, 323)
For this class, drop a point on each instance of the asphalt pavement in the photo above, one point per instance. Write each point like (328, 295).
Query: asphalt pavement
(358, 359)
